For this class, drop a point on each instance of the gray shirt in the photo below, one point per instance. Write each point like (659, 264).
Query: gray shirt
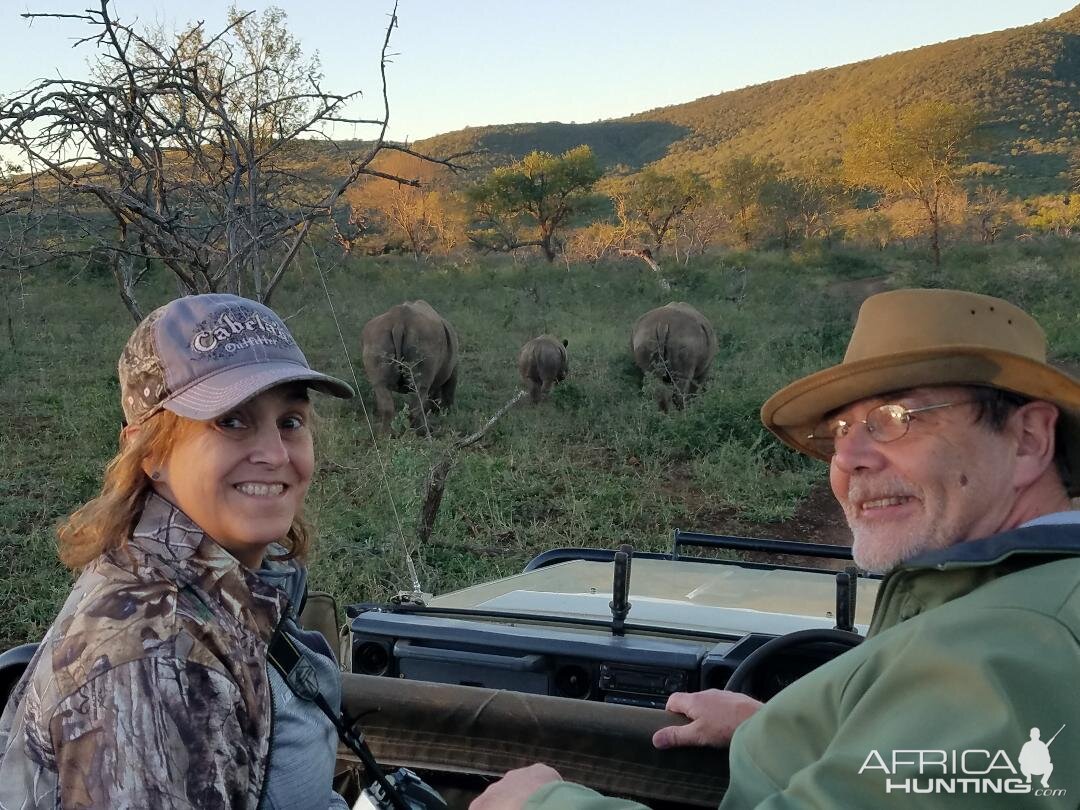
(303, 746)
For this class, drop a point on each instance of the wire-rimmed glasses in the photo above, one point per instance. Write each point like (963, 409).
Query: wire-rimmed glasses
(885, 423)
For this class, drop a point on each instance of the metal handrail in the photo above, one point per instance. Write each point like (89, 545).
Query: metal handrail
(761, 544)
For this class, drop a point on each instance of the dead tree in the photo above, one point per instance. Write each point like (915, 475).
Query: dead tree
(162, 154)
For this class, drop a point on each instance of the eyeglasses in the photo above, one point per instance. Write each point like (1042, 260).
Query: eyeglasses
(885, 423)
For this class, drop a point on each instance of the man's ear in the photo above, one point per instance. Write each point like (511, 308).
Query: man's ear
(1034, 424)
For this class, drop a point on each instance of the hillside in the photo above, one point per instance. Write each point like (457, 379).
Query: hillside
(1023, 81)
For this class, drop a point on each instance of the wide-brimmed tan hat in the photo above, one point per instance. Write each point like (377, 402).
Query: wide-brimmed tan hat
(909, 338)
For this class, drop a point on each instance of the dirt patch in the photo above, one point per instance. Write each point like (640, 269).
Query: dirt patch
(819, 519)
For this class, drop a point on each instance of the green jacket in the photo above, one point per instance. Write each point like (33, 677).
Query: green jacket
(970, 648)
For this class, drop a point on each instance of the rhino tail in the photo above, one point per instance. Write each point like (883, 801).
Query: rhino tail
(662, 332)
(451, 348)
(397, 338)
(660, 360)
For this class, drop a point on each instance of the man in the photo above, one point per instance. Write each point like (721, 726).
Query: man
(949, 441)
(1035, 759)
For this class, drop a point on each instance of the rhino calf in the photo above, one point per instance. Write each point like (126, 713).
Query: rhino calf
(542, 363)
(410, 349)
(676, 343)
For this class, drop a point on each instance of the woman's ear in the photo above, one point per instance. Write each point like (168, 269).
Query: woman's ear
(149, 466)
(127, 433)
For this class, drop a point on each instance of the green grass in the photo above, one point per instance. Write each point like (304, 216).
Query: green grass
(596, 465)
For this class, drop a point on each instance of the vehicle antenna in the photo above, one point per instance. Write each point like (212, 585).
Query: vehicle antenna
(417, 595)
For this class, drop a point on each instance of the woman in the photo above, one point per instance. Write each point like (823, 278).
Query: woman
(152, 688)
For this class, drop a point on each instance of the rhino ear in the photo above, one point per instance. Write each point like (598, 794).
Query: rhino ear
(564, 343)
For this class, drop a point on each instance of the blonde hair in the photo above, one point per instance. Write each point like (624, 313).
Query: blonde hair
(106, 523)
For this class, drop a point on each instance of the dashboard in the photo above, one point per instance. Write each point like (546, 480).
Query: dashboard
(555, 658)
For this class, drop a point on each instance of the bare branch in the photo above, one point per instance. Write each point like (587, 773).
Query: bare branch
(176, 147)
(435, 483)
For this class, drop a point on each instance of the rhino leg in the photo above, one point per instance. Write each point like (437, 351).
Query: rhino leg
(445, 395)
(680, 392)
(693, 385)
(384, 408)
(662, 372)
(535, 388)
(663, 398)
(419, 408)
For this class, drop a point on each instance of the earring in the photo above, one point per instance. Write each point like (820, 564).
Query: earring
(155, 475)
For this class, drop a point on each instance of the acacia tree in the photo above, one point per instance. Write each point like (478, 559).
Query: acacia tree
(524, 204)
(420, 216)
(989, 208)
(742, 182)
(403, 217)
(803, 205)
(657, 201)
(179, 143)
(916, 155)
(1056, 215)
(699, 228)
(782, 200)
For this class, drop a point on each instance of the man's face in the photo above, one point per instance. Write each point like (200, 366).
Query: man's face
(948, 480)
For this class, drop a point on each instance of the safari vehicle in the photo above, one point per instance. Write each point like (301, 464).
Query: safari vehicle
(571, 661)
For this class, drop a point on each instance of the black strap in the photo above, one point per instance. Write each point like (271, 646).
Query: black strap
(299, 676)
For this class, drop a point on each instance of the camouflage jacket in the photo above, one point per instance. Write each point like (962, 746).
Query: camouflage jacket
(150, 690)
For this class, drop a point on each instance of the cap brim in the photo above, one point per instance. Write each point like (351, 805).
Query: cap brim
(215, 395)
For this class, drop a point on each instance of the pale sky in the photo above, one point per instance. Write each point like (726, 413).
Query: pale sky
(474, 62)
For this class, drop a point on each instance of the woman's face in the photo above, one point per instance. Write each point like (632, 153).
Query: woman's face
(242, 477)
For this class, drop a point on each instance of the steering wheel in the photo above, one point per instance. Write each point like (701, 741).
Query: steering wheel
(742, 679)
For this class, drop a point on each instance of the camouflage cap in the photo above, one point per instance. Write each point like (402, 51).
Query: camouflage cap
(202, 355)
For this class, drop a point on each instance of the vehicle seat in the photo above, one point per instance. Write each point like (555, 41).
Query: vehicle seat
(12, 665)
(321, 613)
(445, 730)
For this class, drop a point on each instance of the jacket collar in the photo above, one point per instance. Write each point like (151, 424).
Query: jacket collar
(1057, 540)
(929, 580)
(171, 541)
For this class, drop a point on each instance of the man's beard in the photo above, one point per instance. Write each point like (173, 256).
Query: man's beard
(879, 556)
(880, 548)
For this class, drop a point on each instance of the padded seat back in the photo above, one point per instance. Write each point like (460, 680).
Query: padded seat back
(12, 665)
(471, 730)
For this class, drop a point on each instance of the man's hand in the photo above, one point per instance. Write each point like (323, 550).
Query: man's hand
(512, 791)
(714, 716)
